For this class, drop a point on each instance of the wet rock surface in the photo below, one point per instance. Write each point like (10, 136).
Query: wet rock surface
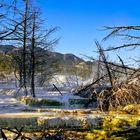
(9, 104)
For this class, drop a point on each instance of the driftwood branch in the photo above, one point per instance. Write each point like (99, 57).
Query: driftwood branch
(57, 89)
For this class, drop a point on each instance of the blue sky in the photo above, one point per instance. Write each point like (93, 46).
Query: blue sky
(82, 21)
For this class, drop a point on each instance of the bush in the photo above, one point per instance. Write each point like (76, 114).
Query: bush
(40, 102)
(78, 101)
(128, 92)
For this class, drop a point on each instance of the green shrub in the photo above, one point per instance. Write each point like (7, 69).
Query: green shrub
(78, 101)
(39, 102)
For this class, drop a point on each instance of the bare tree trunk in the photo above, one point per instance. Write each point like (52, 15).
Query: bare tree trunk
(33, 57)
(24, 46)
(20, 79)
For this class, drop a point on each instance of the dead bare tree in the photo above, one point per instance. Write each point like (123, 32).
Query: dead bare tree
(25, 44)
(39, 41)
(101, 52)
(33, 40)
(20, 36)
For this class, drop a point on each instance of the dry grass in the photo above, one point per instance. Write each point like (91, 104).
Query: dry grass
(127, 92)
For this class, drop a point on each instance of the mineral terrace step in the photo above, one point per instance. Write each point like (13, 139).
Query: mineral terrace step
(45, 120)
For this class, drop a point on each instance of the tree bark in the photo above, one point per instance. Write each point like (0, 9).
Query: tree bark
(33, 57)
(24, 46)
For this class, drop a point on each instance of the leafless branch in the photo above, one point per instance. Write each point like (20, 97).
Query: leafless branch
(11, 32)
(122, 46)
(115, 30)
(122, 64)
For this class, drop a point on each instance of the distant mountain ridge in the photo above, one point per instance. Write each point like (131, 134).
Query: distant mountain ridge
(66, 59)
(69, 60)
(6, 48)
